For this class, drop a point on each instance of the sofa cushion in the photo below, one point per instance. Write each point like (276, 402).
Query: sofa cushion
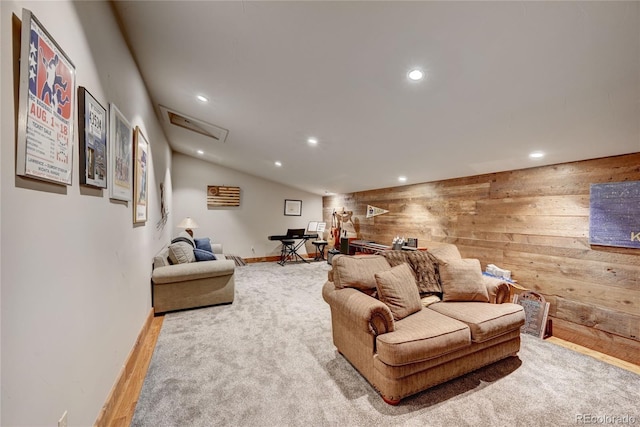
(203, 243)
(444, 251)
(425, 266)
(181, 253)
(397, 289)
(462, 281)
(422, 336)
(183, 236)
(358, 271)
(486, 321)
(202, 255)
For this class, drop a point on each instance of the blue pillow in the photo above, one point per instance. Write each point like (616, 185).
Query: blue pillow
(204, 244)
(202, 255)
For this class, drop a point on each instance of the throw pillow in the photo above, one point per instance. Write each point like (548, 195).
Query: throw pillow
(181, 253)
(462, 281)
(425, 266)
(184, 237)
(357, 271)
(203, 243)
(202, 255)
(397, 289)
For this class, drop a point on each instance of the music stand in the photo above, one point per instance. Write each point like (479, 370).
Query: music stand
(319, 243)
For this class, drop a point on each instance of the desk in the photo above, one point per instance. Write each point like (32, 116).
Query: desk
(369, 247)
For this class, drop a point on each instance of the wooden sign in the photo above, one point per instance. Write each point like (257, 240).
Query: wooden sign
(218, 196)
(614, 214)
(536, 311)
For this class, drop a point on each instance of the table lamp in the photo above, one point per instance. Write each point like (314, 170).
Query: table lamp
(188, 224)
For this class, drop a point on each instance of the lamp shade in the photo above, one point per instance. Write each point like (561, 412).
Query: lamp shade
(188, 223)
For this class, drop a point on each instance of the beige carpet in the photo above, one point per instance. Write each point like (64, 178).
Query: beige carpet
(268, 360)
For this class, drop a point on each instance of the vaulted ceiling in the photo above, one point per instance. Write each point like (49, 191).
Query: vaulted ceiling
(503, 79)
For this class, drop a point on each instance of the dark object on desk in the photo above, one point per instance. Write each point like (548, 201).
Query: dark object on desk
(289, 251)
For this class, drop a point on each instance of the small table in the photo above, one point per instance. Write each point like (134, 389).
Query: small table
(320, 245)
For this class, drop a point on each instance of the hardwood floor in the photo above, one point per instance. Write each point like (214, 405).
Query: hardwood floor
(126, 406)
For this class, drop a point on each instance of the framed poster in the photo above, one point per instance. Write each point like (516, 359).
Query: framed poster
(46, 106)
(141, 175)
(120, 156)
(293, 207)
(92, 121)
(613, 214)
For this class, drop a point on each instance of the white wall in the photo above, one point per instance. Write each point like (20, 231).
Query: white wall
(75, 278)
(260, 214)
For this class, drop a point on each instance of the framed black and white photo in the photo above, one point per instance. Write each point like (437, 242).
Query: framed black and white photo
(92, 119)
(293, 207)
(120, 156)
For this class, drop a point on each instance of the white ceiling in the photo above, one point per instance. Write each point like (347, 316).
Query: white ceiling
(504, 79)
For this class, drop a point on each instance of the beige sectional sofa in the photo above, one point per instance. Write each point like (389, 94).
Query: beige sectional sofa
(461, 323)
(191, 284)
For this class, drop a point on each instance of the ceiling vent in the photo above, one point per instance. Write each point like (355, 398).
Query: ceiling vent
(194, 125)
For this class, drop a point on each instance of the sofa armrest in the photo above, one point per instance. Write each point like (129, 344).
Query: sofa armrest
(368, 313)
(193, 271)
(497, 289)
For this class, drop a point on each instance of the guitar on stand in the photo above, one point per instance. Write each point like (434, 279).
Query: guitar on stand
(335, 230)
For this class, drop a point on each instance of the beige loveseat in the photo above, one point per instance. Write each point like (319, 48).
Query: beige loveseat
(191, 284)
(462, 321)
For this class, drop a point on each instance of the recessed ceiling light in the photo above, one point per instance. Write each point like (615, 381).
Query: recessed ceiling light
(200, 152)
(536, 155)
(278, 163)
(415, 75)
(312, 141)
(202, 98)
(402, 178)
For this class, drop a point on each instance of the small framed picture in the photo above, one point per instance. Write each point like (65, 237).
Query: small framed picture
(141, 175)
(293, 207)
(93, 140)
(120, 156)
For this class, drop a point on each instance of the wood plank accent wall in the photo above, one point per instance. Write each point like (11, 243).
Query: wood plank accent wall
(534, 222)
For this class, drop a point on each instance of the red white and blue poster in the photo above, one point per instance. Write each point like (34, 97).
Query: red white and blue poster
(47, 100)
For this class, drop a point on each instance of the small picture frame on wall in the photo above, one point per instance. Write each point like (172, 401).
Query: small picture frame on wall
(120, 156)
(93, 140)
(141, 175)
(292, 207)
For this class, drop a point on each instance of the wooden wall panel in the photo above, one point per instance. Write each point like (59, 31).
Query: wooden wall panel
(534, 222)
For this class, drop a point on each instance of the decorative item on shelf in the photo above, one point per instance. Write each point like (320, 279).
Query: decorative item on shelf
(188, 224)
(222, 196)
(46, 106)
(398, 243)
(412, 242)
(92, 121)
(293, 207)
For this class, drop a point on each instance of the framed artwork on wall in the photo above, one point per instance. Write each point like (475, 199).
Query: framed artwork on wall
(46, 106)
(293, 207)
(141, 175)
(120, 156)
(92, 121)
